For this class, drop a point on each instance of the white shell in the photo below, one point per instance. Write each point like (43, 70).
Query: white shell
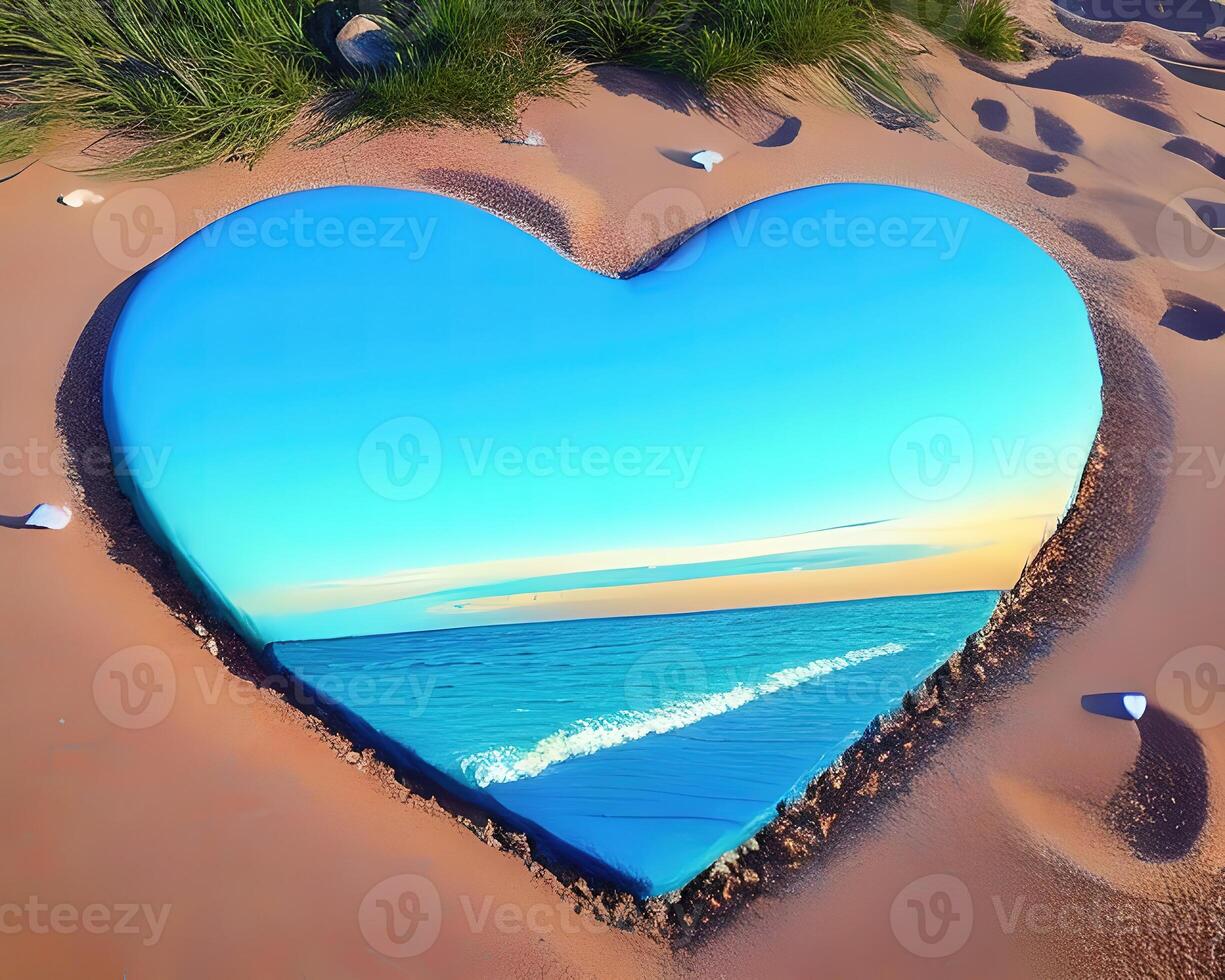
(533, 138)
(1125, 705)
(1134, 705)
(49, 516)
(74, 199)
(706, 159)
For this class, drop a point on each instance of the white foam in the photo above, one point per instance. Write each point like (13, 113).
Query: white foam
(505, 764)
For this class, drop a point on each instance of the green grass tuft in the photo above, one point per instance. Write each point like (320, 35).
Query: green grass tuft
(645, 33)
(187, 81)
(19, 136)
(464, 61)
(988, 28)
(985, 27)
(833, 48)
(175, 84)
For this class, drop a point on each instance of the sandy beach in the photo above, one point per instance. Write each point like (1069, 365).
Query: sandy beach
(226, 831)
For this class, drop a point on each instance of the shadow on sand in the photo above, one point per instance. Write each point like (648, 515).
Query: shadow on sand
(1162, 806)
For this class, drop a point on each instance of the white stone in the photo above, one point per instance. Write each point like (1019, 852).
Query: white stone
(706, 159)
(49, 516)
(1125, 705)
(533, 138)
(74, 199)
(1135, 704)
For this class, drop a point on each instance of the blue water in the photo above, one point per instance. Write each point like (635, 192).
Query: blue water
(388, 433)
(649, 745)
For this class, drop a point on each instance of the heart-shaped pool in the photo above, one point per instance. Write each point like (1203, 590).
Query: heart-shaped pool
(627, 562)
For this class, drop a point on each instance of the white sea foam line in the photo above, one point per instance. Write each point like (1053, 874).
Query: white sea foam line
(505, 764)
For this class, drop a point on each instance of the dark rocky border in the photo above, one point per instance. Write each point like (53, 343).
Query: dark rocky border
(1093, 547)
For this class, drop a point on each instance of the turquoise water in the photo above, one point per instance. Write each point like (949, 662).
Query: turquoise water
(650, 745)
(393, 437)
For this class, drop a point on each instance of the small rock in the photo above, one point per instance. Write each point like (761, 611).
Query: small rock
(364, 44)
(74, 199)
(706, 159)
(49, 516)
(353, 758)
(1124, 705)
(533, 138)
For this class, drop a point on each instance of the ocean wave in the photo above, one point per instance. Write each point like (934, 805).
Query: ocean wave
(505, 764)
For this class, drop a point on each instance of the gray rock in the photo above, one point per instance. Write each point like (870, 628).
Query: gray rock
(364, 44)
